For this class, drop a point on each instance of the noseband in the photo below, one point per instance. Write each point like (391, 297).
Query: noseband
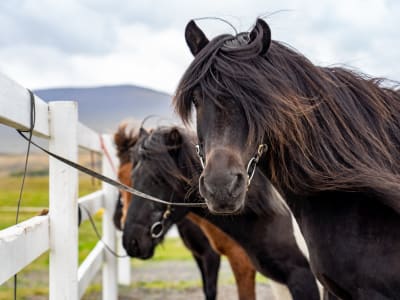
(251, 165)
(157, 229)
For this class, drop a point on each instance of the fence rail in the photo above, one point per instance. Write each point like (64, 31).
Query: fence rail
(58, 232)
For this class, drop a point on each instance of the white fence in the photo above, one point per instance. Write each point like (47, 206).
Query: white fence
(58, 231)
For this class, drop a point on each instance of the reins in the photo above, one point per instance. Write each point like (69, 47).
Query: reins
(30, 130)
(110, 181)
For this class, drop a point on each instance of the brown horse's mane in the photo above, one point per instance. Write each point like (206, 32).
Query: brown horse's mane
(328, 128)
(177, 164)
(124, 140)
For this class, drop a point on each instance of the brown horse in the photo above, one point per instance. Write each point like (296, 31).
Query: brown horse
(243, 270)
(328, 138)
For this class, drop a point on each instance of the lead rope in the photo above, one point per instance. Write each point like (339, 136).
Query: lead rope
(110, 181)
(30, 130)
(108, 248)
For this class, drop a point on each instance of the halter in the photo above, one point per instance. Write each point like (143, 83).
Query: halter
(199, 152)
(157, 229)
(251, 165)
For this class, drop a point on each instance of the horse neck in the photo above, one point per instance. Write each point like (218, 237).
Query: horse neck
(288, 196)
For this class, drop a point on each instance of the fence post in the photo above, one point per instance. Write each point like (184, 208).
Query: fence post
(110, 272)
(124, 263)
(63, 209)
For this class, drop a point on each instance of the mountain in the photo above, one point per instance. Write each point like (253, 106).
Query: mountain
(102, 109)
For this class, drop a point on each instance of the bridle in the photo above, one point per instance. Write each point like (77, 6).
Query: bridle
(157, 229)
(251, 165)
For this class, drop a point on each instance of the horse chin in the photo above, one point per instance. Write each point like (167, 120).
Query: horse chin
(140, 252)
(146, 255)
(232, 207)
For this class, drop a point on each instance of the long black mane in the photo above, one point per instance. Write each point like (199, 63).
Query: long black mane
(328, 128)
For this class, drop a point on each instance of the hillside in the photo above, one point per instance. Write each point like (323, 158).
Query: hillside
(101, 108)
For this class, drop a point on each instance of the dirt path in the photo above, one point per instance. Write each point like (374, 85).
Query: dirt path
(165, 280)
(178, 280)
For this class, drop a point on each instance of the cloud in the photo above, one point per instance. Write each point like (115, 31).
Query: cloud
(47, 43)
(64, 25)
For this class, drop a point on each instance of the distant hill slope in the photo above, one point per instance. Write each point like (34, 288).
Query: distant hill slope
(102, 108)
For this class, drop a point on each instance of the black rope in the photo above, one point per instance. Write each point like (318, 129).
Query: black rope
(30, 130)
(108, 248)
(113, 182)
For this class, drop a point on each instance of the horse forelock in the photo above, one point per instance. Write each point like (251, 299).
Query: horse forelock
(163, 158)
(328, 127)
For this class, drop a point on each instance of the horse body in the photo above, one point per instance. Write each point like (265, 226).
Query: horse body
(353, 248)
(333, 151)
(163, 163)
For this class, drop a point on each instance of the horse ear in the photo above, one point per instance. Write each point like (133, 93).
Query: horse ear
(174, 137)
(195, 38)
(262, 29)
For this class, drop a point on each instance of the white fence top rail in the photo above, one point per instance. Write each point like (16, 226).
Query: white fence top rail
(29, 239)
(15, 112)
(15, 108)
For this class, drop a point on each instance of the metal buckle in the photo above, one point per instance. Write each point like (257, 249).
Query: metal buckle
(198, 151)
(153, 230)
(251, 166)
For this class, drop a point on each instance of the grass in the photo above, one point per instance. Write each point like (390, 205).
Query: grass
(35, 197)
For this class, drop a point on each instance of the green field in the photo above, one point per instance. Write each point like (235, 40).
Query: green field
(33, 280)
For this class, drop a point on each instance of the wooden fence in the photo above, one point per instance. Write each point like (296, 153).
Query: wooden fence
(57, 232)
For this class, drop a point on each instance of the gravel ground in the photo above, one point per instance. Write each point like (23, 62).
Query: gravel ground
(172, 273)
(165, 280)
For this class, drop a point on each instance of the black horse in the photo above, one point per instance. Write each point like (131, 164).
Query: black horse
(207, 260)
(327, 138)
(165, 165)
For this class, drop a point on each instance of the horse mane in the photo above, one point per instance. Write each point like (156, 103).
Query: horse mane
(156, 148)
(328, 128)
(124, 140)
(179, 166)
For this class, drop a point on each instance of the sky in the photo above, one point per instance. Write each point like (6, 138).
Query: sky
(57, 43)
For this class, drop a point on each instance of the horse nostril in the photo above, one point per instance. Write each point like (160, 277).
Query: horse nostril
(205, 186)
(235, 187)
(134, 244)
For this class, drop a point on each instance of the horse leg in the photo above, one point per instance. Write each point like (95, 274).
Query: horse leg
(209, 264)
(301, 284)
(280, 291)
(329, 296)
(244, 273)
(206, 258)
